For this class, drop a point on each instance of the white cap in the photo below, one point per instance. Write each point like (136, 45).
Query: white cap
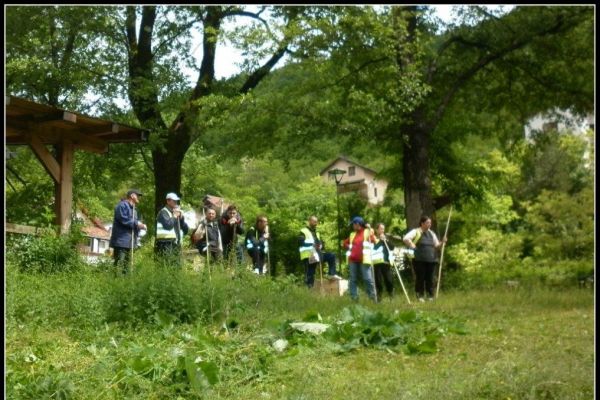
(172, 196)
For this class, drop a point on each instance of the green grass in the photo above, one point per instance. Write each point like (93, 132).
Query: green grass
(525, 343)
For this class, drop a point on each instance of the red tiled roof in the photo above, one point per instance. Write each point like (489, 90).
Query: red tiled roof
(94, 231)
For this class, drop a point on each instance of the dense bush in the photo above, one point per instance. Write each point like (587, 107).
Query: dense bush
(154, 293)
(527, 272)
(46, 254)
(76, 297)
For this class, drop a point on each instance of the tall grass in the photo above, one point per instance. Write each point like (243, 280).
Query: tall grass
(167, 333)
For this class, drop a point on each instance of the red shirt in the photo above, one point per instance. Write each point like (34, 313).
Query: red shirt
(356, 254)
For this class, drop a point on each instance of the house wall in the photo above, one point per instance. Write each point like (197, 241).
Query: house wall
(367, 189)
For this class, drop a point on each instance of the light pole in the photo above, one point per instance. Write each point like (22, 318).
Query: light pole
(337, 174)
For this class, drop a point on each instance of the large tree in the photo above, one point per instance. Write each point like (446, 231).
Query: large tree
(390, 75)
(176, 136)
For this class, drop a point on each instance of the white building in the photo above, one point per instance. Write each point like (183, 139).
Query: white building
(357, 178)
(559, 120)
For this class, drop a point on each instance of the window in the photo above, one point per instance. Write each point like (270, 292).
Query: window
(375, 192)
(351, 171)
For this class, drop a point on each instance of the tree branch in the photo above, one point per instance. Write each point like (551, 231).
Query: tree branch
(487, 59)
(212, 24)
(68, 48)
(10, 169)
(168, 40)
(243, 13)
(148, 163)
(357, 70)
(255, 78)
(10, 184)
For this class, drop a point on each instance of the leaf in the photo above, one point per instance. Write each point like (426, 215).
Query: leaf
(210, 370)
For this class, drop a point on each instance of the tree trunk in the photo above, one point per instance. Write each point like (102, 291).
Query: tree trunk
(167, 166)
(418, 198)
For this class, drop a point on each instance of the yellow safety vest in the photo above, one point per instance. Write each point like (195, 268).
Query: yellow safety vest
(367, 247)
(308, 249)
(161, 232)
(378, 255)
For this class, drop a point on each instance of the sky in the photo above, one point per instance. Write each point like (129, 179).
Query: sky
(227, 57)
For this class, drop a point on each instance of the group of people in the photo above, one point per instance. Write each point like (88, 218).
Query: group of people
(367, 247)
(368, 251)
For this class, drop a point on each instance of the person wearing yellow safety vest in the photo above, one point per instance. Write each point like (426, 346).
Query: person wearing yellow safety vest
(424, 242)
(170, 224)
(381, 262)
(312, 252)
(358, 255)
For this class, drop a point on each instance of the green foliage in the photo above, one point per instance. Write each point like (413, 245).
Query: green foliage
(51, 385)
(63, 351)
(357, 327)
(155, 293)
(78, 298)
(555, 161)
(487, 249)
(29, 193)
(562, 225)
(49, 253)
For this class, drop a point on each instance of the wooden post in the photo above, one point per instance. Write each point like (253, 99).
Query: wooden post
(64, 188)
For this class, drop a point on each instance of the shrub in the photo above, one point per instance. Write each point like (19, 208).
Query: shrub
(46, 254)
(77, 298)
(154, 294)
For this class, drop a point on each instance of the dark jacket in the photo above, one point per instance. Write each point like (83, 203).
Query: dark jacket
(227, 231)
(169, 223)
(124, 222)
(212, 232)
(257, 246)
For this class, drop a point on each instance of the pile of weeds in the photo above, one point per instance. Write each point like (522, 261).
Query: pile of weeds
(410, 331)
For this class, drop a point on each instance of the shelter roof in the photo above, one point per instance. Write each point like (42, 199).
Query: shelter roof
(52, 124)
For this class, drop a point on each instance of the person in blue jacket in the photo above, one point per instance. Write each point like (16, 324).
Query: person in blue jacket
(125, 229)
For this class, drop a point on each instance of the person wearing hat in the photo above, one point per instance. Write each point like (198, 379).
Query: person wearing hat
(170, 228)
(125, 229)
(358, 255)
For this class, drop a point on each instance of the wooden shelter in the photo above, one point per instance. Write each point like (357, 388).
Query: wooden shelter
(38, 125)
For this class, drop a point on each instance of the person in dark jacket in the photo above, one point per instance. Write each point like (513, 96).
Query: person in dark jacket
(125, 229)
(381, 262)
(257, 243)
(170, 229)
(207, 237)
(232, 225)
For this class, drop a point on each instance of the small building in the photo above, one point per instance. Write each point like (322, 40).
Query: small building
(358, 179)
(559, 120)
(97, 235)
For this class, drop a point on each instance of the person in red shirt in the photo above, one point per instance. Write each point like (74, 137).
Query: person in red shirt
(358, 255)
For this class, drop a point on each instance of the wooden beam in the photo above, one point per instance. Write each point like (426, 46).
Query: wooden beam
(25, 229)
(109, 129)
(85, 142)
(64, 188)
(47, 160)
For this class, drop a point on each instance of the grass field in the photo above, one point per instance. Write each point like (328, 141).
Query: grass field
(523, 343)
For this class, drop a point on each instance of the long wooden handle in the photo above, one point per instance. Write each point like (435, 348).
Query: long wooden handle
(437, 290)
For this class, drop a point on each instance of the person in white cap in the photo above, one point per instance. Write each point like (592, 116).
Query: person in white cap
(170, 229)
